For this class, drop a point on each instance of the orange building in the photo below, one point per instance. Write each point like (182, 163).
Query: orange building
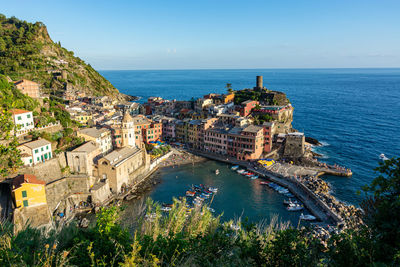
(147, 129)
(28, 88)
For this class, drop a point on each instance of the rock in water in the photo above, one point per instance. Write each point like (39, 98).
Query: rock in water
(313, 141)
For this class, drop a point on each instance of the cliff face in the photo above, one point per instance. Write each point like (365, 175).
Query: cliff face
(27, 52)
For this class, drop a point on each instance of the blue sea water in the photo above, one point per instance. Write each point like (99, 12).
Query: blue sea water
(354, 112)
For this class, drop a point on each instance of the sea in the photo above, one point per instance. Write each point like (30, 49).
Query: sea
(354, 113)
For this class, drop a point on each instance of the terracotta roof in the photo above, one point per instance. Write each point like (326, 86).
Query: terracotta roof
(26, 178)
(18, 111)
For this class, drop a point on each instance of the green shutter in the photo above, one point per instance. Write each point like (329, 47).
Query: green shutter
(25, 203)
(24, 194)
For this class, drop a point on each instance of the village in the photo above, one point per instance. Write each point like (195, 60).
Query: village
(123, 143)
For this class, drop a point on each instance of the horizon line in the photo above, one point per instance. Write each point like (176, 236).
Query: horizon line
(311, 68)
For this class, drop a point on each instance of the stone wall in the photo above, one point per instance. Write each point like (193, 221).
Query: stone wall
(48, 171)
(61, 189)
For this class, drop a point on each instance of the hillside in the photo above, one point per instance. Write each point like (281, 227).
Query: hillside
(27, 51)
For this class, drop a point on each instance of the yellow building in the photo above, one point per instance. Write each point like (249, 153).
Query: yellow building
(83, 118)
(28, 191)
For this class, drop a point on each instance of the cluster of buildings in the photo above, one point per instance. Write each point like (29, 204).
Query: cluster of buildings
(113, 156)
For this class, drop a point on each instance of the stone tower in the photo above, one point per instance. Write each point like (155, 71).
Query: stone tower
(259, 82)
(128, 131)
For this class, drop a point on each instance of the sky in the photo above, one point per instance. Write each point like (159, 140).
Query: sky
(221, 34)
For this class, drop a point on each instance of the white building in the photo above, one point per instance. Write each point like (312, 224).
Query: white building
(23, 119)
(35, 152)
(101, 136)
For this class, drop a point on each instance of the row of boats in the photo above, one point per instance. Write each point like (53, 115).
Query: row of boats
(244, 172)
(198, 194)
(291, 205)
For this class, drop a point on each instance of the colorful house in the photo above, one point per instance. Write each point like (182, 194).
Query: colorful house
(23, 119)
(28, 191)
(35, 152)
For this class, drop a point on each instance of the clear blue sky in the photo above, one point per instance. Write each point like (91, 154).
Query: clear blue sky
(193, 34)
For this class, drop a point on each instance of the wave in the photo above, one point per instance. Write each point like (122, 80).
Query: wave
(323, 143)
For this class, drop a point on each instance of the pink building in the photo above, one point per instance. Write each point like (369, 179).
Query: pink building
(246, 143)
(216, 140)
(247, 106)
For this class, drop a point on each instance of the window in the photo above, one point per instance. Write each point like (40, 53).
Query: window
(42, 149)
(38, 159)
(25, 203)
(30, 160)
(19, 118)
(28, 116)
(36, 151)
(47, 147)
(24, 194)
(45, 156)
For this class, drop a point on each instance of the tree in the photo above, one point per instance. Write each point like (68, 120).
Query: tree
(382, 210)
(228, 87)
(10, 158)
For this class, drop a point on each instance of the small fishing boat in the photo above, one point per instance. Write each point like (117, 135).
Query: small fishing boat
(283, 191)
(190, 193)
(213, 189)
(167, 205)
(166, 208)
(235, 167)
(289, 195)
(307, 217)
(254, 177)
(241, 171)
(216, 171)
(294, 207)
(264, 182)
(290, 202)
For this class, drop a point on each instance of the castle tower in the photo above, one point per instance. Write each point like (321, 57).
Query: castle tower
(128, 131)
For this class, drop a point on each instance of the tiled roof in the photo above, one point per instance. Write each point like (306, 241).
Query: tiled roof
(18, 111)
(25, 178)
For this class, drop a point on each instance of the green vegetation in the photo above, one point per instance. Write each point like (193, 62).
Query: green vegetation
(195, 237)
(260, 119)
(162, 150)
(66, 139)
(12, 98)
(26, 51)
(264, 95)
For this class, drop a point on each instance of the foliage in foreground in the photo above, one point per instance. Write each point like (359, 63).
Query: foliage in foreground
(185, 237)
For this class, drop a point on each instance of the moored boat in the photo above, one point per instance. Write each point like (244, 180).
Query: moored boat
(235, 167)
(307, 217)
(166, 208)
(190, 193)
(294, 207)
(264, 182)
(213, 189)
